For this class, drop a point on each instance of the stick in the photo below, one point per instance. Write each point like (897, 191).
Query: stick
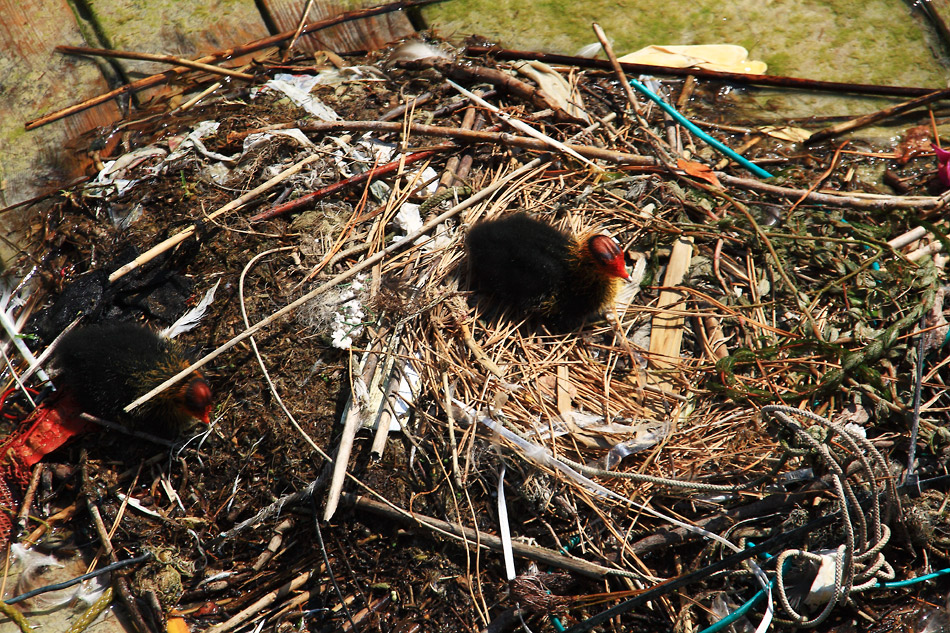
(263, 602)
(474, 136)
(181, 236)
(489, 541)
(868, 119)
(366, 263)
(740, 78)
(858, 201)
(471, 74)
(521, 126)
(236, 51)
(313, 196)
(299, 30)
(618, 69)
(166, 59)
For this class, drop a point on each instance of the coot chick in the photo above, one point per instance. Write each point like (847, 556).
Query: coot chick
(105, 367)
(533, 267)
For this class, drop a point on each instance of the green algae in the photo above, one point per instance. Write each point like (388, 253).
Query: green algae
(873, 41)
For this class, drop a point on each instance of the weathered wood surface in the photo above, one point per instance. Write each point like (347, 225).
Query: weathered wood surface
(183, 29)
(35, 80)
(353, 36)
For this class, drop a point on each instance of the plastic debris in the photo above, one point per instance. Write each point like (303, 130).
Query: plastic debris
(727, 58)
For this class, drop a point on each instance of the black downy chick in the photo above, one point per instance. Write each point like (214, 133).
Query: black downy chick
(533, 267)
(105, 367)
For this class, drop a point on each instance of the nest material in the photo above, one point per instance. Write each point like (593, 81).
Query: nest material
(793, 313)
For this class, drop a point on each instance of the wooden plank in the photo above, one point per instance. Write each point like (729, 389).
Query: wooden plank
(360, 35)
(34, 80)
(666, 336)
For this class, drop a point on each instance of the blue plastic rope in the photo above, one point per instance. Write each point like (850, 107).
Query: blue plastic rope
(689, 125)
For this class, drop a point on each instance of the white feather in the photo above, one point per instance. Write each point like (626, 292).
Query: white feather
(191, 318)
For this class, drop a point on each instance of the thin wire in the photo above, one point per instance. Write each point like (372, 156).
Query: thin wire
(75, 581)
(326, 561)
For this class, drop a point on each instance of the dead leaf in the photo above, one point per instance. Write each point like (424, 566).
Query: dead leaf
(916, 141)
(786, 133)
(698, 170)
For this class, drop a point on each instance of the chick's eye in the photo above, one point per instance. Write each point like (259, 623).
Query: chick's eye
(604, 248)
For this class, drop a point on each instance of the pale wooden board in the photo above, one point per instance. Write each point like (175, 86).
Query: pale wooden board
(666, 335)
(364, 34)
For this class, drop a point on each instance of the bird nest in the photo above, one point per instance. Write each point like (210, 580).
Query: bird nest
(370, 401)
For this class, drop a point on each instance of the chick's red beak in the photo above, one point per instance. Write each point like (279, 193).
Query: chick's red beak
(618, 267)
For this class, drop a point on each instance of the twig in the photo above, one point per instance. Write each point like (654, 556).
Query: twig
(274, 545)
(120, 583)
(276, 507)
(911, 483)
(500, 80)
(303, 201)
(181, 236)
(521, 126)
(398, 111)
(476, 136)
(299, 30)
(739, 78)
(874, 117)
(857, 201)
(615, 65)
(149, 57)
(452, 173)
(478, 352)
(779, 263)
(904, 239)
(453, 444)
(366, 263)
(262, 603)
(27, 502)
(488, 541)
(351, 424)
